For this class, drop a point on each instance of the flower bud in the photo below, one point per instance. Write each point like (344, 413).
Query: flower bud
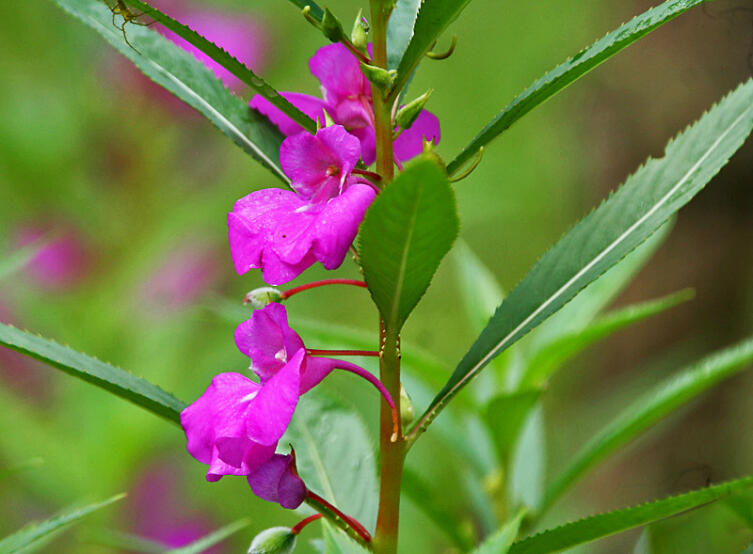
(358, 36)
(408, 113)
(407, 413)
(260, 297)
(331, 26)
(275, 540)
(381, 77)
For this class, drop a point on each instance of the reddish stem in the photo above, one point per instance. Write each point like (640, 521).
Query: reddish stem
(295, 290)
(354, 524)
(301, 524)
(366, 173)
(361, 372)
(317, 352)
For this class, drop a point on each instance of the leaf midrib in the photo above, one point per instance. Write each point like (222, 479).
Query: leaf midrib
(404, 262)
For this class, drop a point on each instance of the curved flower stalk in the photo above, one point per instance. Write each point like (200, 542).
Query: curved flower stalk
(347, 99)
(284, 232)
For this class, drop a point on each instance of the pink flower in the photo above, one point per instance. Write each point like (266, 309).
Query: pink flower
(63, 260)
(278, 481)
(282, 232)
(347, 99)
(269, 341)
(235, 425)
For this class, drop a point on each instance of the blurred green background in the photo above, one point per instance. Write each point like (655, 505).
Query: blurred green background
(88, 149)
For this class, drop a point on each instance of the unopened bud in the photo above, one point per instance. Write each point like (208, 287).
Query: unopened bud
(381, 77)
(358, 36)
(275, 540)
(260, 297)
(407, 413)
(331, 26)
(408, 113)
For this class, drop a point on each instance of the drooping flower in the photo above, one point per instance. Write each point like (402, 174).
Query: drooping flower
(278, 481)
(235, 425)
(282, 232)
(347, 99)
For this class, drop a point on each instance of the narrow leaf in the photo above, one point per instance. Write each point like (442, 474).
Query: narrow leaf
(501, 541)
(433, 18)
(213, 538)
(406, 233)
(34, 532)
(652, 408)
(123, 542)
(569, 71)
(234, 66)
(603, 525)
(183, 75)
(400, 30)
(505, 415)
(112, 379)
(17, 260)
(549, 359)
(648, 198)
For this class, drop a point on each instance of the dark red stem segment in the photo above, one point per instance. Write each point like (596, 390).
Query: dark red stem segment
(295, 290)
(301, 524)
(366, 173)
(354, 524)
(317, 352)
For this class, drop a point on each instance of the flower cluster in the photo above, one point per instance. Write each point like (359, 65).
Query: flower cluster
(235, 426)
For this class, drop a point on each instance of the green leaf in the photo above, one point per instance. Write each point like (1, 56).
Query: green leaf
(406, 232)
(549, 359)
(603, 525)
(123, 542)
(337, 542)
(433, 18)
(528, 463)
(183, 75)
(505, 415)
(651, 408)
(315, 11)
(569, 71)
(16, 261)
(233, 65)
(501, 541)
(419, 491)
(208, 541)
(400, 30)
(334, 455)
(34, 532)
(629, 216)
(112, 379)
(31, 463)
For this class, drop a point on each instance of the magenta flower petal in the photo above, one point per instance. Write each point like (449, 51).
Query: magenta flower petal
(410, 142)
(367, 136)
(320, 165)
(276, 481)
(339, 73)
(337, 224)
(315, 370)
(268, 340)
(270, 410)
(215, 427)
(310, 105)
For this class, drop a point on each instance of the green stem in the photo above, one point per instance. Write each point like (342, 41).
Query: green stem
(382, 112)
(392, 454)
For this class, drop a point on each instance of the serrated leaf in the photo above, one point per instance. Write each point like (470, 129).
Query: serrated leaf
(505, 415)
(564, 74)
(651, 408)
(406, 232)
(334, 455)
(233, 65)
(433, 18)
(400, 30)
(549, 359)
(208, 541)
(610, 523)
(629, 216)
(108, 377)
(501, 541)
(183, 75)
(34, 532)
